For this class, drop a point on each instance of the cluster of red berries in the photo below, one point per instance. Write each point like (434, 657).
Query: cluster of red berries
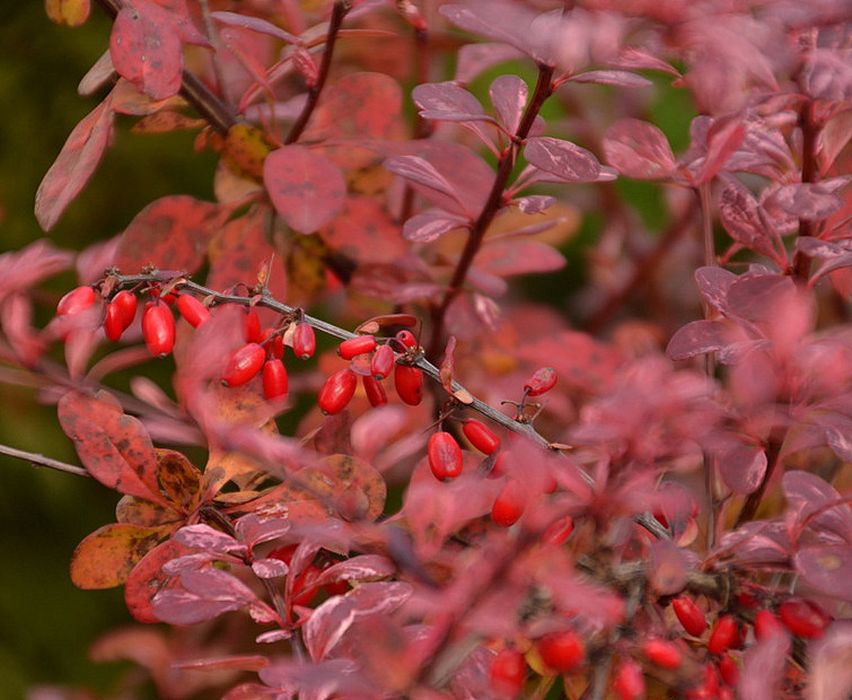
(561, 652)
(305, 587)
(374, 362)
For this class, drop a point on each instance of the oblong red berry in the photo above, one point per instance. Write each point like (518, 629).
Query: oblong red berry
(541, 381)
(409, 384)
(158, 328)
(559, 531)
(275, 380)
(445, 456)
(76, 301)
(629, 681)
(724, 635)
(337, 391)
(507, 673)
(481, 436)
(193, 311)
(356, 346)
(663, 653)
(729, 670)
(407, 339)
(690, 615)
(561, 651)
(509, 505)
(113, 323)
(766, 625)
(375, 391)
(304, 341)
(803, 618)
(381, 364)
(274, 343)
(244, 365)
(126, 303)
(252, 330)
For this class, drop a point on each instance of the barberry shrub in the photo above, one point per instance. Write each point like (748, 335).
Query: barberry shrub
(465, 494)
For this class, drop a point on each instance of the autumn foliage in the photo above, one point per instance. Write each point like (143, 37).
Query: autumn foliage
(423, 478)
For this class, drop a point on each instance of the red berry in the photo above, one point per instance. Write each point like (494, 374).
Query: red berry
(724, 635)
(381, 364)
(158, 328)
(690, 615)
(304, 341)
(244, 365)
(541, 381)
(274, 343)
(500, 467)
(663, 653)
(126, 303)
(509, 505)
(559, 531)
(445, 456)
(193, 311)
(375, 391)
(409, 384)
(253, 331)
(356, 346)
(766, 625)
(337, 391)
(729, 670)
(725, 693)
(113, 323)
(275, 382)
(508, 673)
(407, 339)
(561, 651)
(481, 436)
(629, 682)
(803, 618)
(76, 301)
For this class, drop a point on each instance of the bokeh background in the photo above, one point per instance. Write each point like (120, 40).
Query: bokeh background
(46, 624)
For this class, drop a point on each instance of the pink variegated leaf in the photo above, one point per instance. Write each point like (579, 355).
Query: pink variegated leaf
(366, 567)
(567, 161)
(431, 225)
(201, 536)
(697, 338)
(763, 668)
(634, 57)
(205, 594)
(306, 188)
(743, 467)
(839, 442)
(828, 568)
(422, 172)
(834, 256)
(808, 201)
(331, 620)
(244, 662)
(619, 78)
(534, 204)
(741, 217)
(639, 150)
(74, 166)
(827, 74)
(807, 494)
(833, 138)
(448, 102)
(509, 97)
(713, 284)
(723, 139)
(269, 568)
(255, 24)
(253, 529)
(273, 636)
(508, 257)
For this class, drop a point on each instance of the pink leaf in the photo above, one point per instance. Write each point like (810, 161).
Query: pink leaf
(534, 204)
(827, 568)
(431, 225)
(639, 150)
(449, 102)
(763, 670)
(146, 50)
(697, 338)
(830, 664)
(806, 493)
(21, 269)
(244, 662)
(743, 467)
(518, 257)
(668, 567)
(827, 74)
(330, 621)
(422, 172)
(206, 594)
(74, 166)
(269, 568)
(509, 96)
(723, 138)
(201, 536)
(618, 78)
(306, 188)
(473, 59)
(366, 567)
(633, 57)
(375, 429)
(807, 201)
(567, 161)
(713, 284)
(253, 529)
(740, 214)
(255, 24)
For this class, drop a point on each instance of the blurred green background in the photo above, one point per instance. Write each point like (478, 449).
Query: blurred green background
(46, 624)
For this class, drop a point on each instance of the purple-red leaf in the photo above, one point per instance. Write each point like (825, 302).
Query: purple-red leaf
(255, 24)
(534, 204)
(619, 78)
(723, 138)
(763, 669)
(421, 171)
(740, 214)
(306, 188)
(449, 102)
(697, 338)
(743, 467)
(509, 96)
(639, 150)
(713, 284)
(473, 59)
(518, 257)
(830, 664)
(74, 165)
(808, 201)
(828, 568)
(330, 621)
(366, 567)
(201, 536)
(431, 225)
(206, 594)
(567, 161)
(147, 579)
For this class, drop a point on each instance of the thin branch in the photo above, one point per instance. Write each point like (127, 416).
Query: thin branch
(810, 173)
(338, 12)
(38, 460)
(219, 114)
(753, 500)
(543, 90)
